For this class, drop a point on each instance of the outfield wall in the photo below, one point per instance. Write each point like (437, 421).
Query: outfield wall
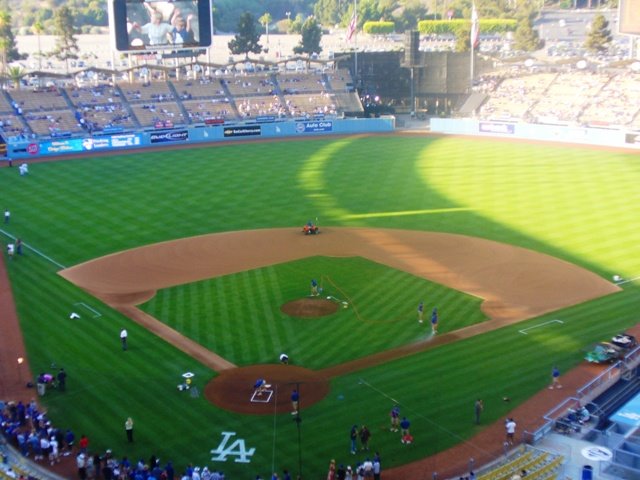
(531, 131)
(24, 149)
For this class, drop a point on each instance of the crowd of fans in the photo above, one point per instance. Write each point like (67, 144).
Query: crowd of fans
(567, 97)
(27, 428)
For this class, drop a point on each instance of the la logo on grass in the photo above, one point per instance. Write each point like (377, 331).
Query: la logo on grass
(236, 449)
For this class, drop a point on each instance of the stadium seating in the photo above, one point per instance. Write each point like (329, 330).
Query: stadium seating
(295, 83)
(53, 122)
(616, 104)
(99, 107)
(244, 85)
(301, 105)
(195, 89)
(150, 114)
(260, 105)
(33, 100)
(567, 98)
(71, 110)
(515, 96)
(147, 92)
(568, 95)
(538, 464)
(340, 80)
(207, 109)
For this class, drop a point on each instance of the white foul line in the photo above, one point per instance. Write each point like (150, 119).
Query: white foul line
(37, 252)
(622, 282)
(524, 331)
(97, 313)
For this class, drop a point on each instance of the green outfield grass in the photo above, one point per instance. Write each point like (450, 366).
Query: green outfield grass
(577, 204)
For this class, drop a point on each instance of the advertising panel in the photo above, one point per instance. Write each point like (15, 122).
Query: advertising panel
(314, 127)
(492, 127)
(632, 138)
(170, 136)
(242, 131)
(73, 145)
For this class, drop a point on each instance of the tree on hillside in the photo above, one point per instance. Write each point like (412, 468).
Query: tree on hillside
(463, 39)
(410, 14)
(296, 24)
(66, 47)
(599, 36)
(4, 45)
(371, 10)
(265, 20)
(330, 12)
(8, 50)
(525, 37)
(16, 74)
(38, 29)
(311, 37)
(247, 40)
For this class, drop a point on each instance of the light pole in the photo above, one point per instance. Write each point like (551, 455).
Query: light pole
(288, 14)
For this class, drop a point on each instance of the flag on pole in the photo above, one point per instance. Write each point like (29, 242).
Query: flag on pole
(475, 27)
(351, 29)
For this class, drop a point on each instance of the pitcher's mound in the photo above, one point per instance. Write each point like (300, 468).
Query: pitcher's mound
(233, 389)
(309, 307)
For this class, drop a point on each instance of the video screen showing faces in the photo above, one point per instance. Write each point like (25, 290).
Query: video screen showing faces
(154, 25)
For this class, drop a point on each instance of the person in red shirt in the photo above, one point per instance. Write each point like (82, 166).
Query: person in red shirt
(83, 443)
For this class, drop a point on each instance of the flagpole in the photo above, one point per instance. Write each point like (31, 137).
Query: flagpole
(474, 36)
(355, 43)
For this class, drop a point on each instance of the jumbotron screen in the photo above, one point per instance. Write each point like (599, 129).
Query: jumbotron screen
(148, 25)
(629, 21)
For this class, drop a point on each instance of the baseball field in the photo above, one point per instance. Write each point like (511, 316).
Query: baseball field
(198, 252)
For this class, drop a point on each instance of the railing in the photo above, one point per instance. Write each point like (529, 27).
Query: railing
(587, 393)
(599, 384)
(21, 465)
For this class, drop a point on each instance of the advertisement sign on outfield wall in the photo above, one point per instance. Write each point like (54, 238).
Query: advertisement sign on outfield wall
(73, 145)
(314, 127)
(491, 127)
(171, 136)
(632, 138)
(242, 131)
(18, 148)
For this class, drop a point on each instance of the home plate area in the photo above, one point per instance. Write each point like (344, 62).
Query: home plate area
(265, 389)
(262, 396)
